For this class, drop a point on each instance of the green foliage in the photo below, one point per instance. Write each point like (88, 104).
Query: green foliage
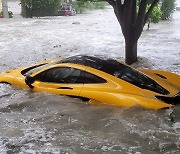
(81, 6)
(156, 14)
(97, 5)
(167, 8)
(39, 8)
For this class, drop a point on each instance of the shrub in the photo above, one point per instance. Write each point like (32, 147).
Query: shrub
(81, 6)
(39, 8)
(167, 8)
(155, 16)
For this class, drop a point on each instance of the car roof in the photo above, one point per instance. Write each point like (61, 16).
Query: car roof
(118, 70)
(100, 63)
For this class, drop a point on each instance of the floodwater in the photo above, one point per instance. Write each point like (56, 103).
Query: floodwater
(33, 123)
(45, 123)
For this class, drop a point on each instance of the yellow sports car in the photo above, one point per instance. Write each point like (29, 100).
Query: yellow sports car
(99, 80)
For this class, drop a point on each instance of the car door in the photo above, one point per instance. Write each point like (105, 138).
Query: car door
(94, 86)
(59, 80)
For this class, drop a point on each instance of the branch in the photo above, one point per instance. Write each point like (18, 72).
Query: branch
(140, 18)
(134, 13)
(128, 11)
(150, 10)
(125, 15)
(112, 3)
(120, 9)
(141, 12)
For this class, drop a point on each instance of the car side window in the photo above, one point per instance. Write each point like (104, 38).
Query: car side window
(91, 78)
(59, 75)
(68, 75)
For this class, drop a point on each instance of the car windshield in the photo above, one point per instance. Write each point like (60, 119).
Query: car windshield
(66, 7)
(30, 70)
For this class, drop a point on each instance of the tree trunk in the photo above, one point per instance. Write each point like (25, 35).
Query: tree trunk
(131, 51)
(132, 22)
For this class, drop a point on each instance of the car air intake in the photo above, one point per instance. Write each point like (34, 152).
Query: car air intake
(170, 100)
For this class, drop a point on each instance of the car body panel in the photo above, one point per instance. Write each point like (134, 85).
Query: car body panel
(114, 91)
(171, 77)
(63, 89)
(167, 79)
(57, 88)
(120, 93)
(126, 100)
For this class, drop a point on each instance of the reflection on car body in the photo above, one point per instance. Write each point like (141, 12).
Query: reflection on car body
(101, 81)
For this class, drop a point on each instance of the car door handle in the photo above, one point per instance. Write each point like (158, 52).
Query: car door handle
(64, 88)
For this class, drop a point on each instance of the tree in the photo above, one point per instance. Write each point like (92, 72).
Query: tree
(132, 22)
(167, 8)
(39, 8)
(155, 16)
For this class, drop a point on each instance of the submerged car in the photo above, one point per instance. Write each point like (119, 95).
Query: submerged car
(66, 10)
(99, 80)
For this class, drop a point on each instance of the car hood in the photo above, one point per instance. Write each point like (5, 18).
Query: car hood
(168, 80)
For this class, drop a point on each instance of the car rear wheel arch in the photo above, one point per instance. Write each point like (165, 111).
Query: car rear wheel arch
(4, 82)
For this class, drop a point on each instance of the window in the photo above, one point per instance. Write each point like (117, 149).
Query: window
(90, 78)
(68, 75)
(59, 75)
(119, 70)
(28, 70)
(140, 80)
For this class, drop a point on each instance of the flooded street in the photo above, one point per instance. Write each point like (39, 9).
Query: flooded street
(33, 123)
(39, 122)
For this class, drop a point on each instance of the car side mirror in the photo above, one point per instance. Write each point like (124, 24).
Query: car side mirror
(29, 80)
